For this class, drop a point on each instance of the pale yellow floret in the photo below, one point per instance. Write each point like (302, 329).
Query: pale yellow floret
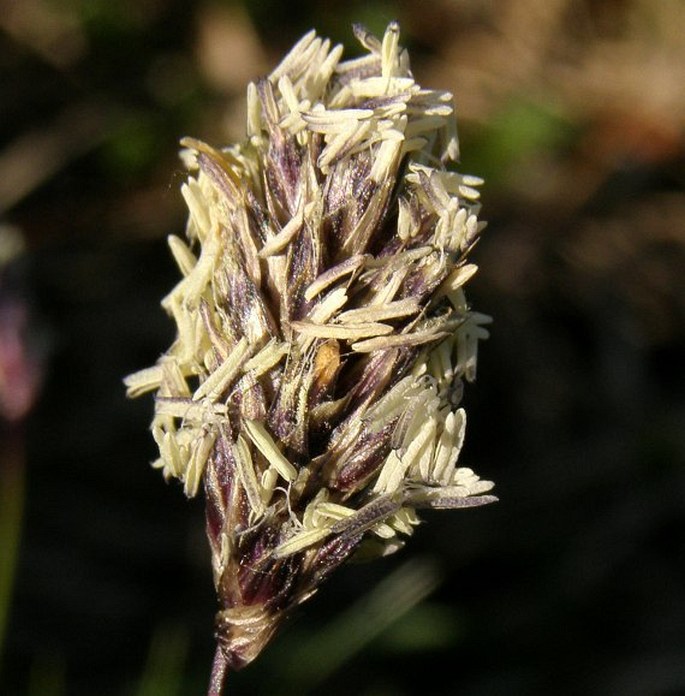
(174, 378)
(199, 218)
(294, 58)
(427, 124)
(183, 348)
(458, 277)
(332, 122)
(143, 381)
(448, 446)
(375, 86)
(419, 423)
(316, 80)
(301, 541)
(219, 380)
(198, 459)
(332, 274)
(190, 289)
(266, 445)
(269, 481)
(468, 334)
(438, 364)
(309, 515)
(188, 410)
(328, 306)
(267, 357)
(276, 244)
(392, 404)
(175, 457)
(324, 512)
(345, 332)
(248, 478)
(389, 51)
(416, 338)
(421, 465)
(285, 87)
(386, 158)
(406, 227)
(353, 137)
(254, 111)
(392, 474)
(391, 310)
(182, 255)
(404, 520)
(387, 290)
(400, 260)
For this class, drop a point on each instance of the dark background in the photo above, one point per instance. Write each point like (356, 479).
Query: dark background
(574, 583)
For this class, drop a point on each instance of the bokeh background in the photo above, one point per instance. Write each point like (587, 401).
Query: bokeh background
(574, 583)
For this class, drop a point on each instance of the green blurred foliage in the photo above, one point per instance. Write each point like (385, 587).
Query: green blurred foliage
(521, 131)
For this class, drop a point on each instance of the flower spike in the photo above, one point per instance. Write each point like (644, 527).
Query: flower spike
(313, 388)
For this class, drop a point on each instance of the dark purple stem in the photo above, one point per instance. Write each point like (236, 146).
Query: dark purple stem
(219, 671)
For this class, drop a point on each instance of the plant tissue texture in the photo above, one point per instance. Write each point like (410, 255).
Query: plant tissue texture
(323, 337)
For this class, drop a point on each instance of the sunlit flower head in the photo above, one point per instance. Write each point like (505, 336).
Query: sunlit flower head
(313, 388)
